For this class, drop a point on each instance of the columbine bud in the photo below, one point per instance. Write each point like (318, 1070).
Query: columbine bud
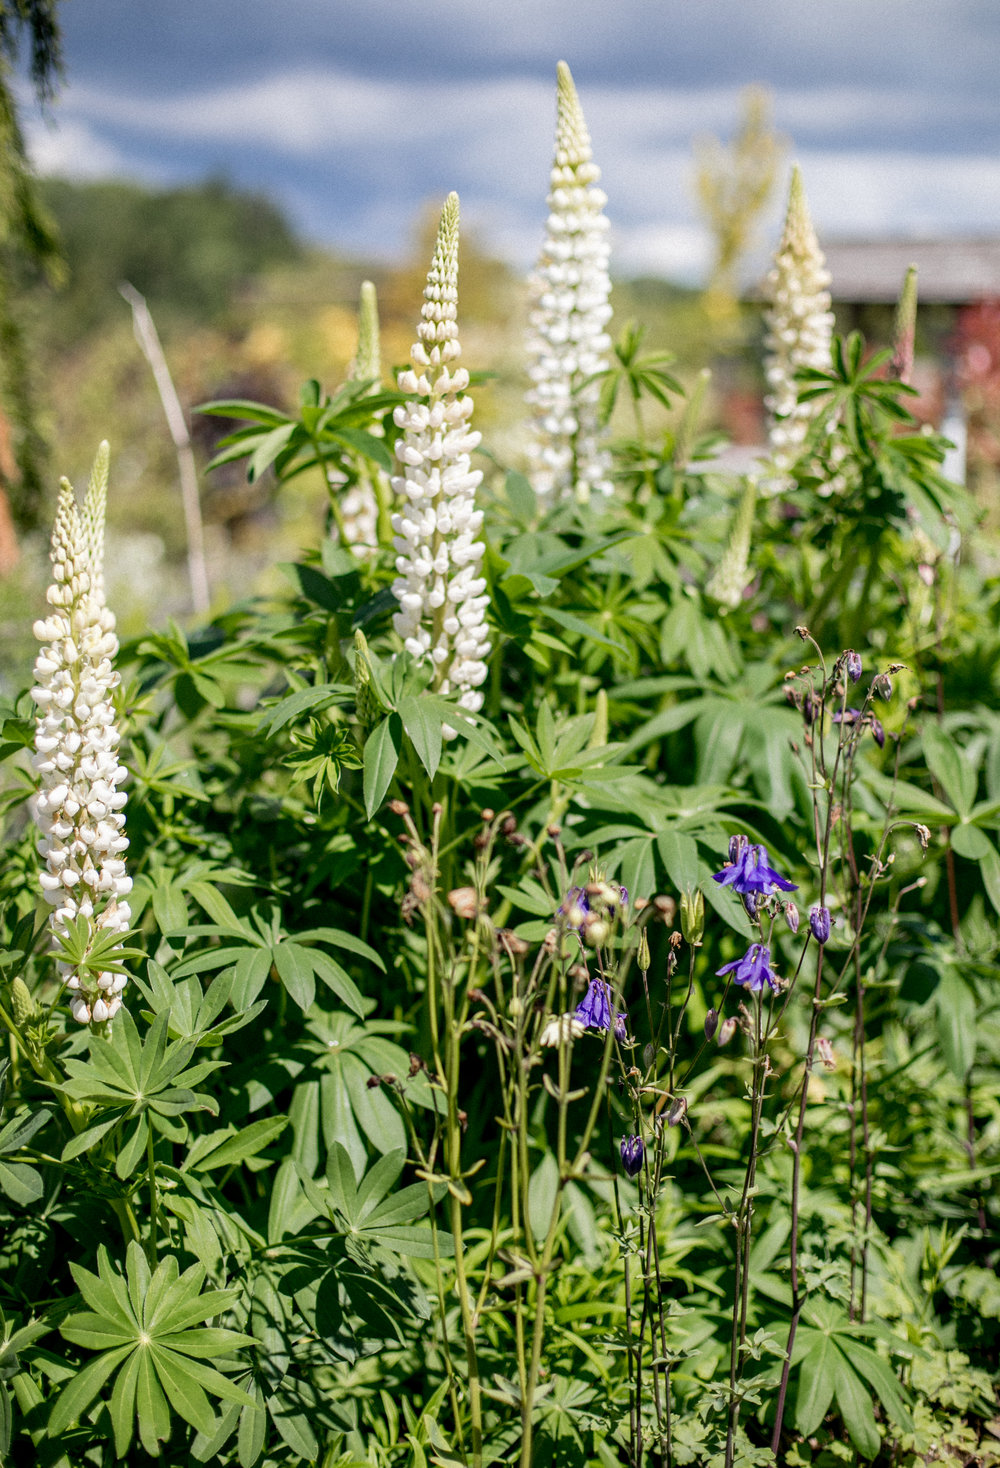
(596, 933)
(792, 916)
(632, 1152)
(642, 957)
(693, 917)
(648, 1054)
(854, 665)
(826, 1054)
(878, 732)
(678, 1111)
(464, 901)
(819, 923)
(711, 1023)
(726, 1031)
(882, 684)
(923, 835)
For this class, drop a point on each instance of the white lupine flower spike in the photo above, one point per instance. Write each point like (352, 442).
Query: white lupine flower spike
(80, 809)
(800, 326)
(567, 340)
(439, 588)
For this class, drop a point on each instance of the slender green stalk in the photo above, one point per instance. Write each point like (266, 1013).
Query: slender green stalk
(154, 1214)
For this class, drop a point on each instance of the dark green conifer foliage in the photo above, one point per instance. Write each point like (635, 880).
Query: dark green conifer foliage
(28, 241)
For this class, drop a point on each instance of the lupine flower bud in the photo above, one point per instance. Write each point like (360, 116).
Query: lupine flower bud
(693, 916)
(729, 580)
(792, 916)
(800, 325)
(819, 923)
(79, 807)
(632, 1152)
(854, 665)
(567, 341)
(367, 703)
(359, 504)
(690, 419)
(22, 1006)
(439, 589)
(901, 366)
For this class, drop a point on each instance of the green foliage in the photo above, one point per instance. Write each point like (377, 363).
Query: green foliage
(344, 1184)
(186, 250)
(149, 1329)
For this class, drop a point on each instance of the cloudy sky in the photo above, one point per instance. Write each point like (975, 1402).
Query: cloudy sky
(353, 113)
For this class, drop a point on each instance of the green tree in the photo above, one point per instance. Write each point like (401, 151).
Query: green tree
(187, 250)
(28, 243)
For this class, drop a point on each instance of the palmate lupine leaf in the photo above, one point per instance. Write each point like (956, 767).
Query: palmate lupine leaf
(19, 1180)
(375, 1212)
(135, 1081)
(151, 1332)
(323, 428)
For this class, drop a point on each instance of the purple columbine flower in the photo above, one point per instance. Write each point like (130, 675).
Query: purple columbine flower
(878, 733)
(632, 1152)
(750, 871)
(854, 665)
(819, 923)
(847, 716)
(753, 969)
(576, 897)
(594, 1009)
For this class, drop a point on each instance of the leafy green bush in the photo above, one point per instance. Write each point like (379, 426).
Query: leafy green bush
(479, 1092)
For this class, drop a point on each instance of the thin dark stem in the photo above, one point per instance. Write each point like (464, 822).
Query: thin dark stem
(800, 1127)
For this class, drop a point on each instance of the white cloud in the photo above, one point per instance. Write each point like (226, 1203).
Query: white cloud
(74, 149)
(312, 135)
